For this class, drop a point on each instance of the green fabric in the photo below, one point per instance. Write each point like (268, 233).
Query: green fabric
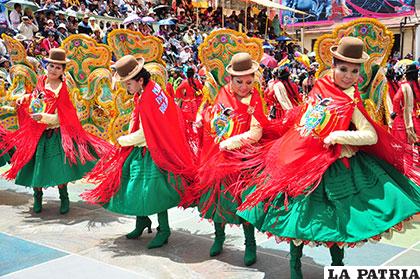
(224, 211)
(64, 198)
(37, 201)
(349, 205)
(217, 246)
(5, 159)
(49, 166)
(142, 222)
(295, 263)
(161, 237)
(145, 189)
(250, 256)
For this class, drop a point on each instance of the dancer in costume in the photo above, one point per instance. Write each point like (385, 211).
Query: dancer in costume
(235, 119)
(393, 86)
(189, 97)
(286, 93)
(406, 106)
(147, 174)
(51, 146)
(335, 176)
(4, 158)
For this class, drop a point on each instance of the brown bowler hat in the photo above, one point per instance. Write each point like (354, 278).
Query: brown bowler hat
(242, 65)
(57, 56)
(350, 49)
(128, 67)
(411, 68)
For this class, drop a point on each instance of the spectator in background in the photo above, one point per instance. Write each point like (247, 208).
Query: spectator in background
(4, 20)
(93, 24)
(27, 28)
(112, 27)
(84, 27)
(49, 42)
(61, 18)
(83, 9)
(97, 36)
(15, 16)
(29, 13)
(72, 24)
(62, 33)
(131, 27)
(188, 38)
(49, 27)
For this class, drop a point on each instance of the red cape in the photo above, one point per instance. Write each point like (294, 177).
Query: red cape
(164, 131)
(295, 163)
(76, 142)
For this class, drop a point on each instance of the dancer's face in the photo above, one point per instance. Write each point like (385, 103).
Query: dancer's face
(55, 71)
(242, 85)
(134, 86)
(345, 74)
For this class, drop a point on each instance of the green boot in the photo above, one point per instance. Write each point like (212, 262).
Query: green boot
(163, 233)
(217, 246)
(37, 200)
(64, 197)
(250, 256)
(142, 222)
(337, 255)
(295, 263)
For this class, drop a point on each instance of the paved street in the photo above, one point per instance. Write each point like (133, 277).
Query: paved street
(89, 242)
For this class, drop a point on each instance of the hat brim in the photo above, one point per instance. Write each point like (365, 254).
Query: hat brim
(133, 73)
(411, 71)
(337, 55)
(57, 61)
(253, 69)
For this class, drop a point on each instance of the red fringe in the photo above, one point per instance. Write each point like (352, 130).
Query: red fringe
(77, 143)
(21, 140)
(107, 173)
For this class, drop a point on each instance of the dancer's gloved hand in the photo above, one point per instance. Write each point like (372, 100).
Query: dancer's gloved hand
(36, 116)
(22, 99)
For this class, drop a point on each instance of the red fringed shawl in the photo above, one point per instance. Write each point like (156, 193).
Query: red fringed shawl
(77, 143)
(164, 131)
(215, 169)
(295, 163)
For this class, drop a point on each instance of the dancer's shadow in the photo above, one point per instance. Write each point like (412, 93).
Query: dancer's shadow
(11, 198)
(185, 247)
(80, 212)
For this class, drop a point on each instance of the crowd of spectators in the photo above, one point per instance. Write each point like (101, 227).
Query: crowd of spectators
(185, 28)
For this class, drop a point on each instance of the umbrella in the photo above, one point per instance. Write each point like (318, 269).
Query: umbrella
(25, 3)
(161, 7)
(269, 61)
(166, 22)
(147, 19)
(131, 18)
(283, 38)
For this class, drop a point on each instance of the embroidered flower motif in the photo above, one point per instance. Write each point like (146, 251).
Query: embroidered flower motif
(76, 43)
(364, 29)
(223, 39)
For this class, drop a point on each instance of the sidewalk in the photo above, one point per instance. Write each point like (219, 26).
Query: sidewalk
(90, 242)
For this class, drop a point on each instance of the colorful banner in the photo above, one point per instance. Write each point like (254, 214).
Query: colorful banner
(325, 12)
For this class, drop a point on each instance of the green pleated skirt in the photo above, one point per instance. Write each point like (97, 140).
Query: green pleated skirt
(350, 205)
(49, 166)
(5, 159)
(145, 188)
